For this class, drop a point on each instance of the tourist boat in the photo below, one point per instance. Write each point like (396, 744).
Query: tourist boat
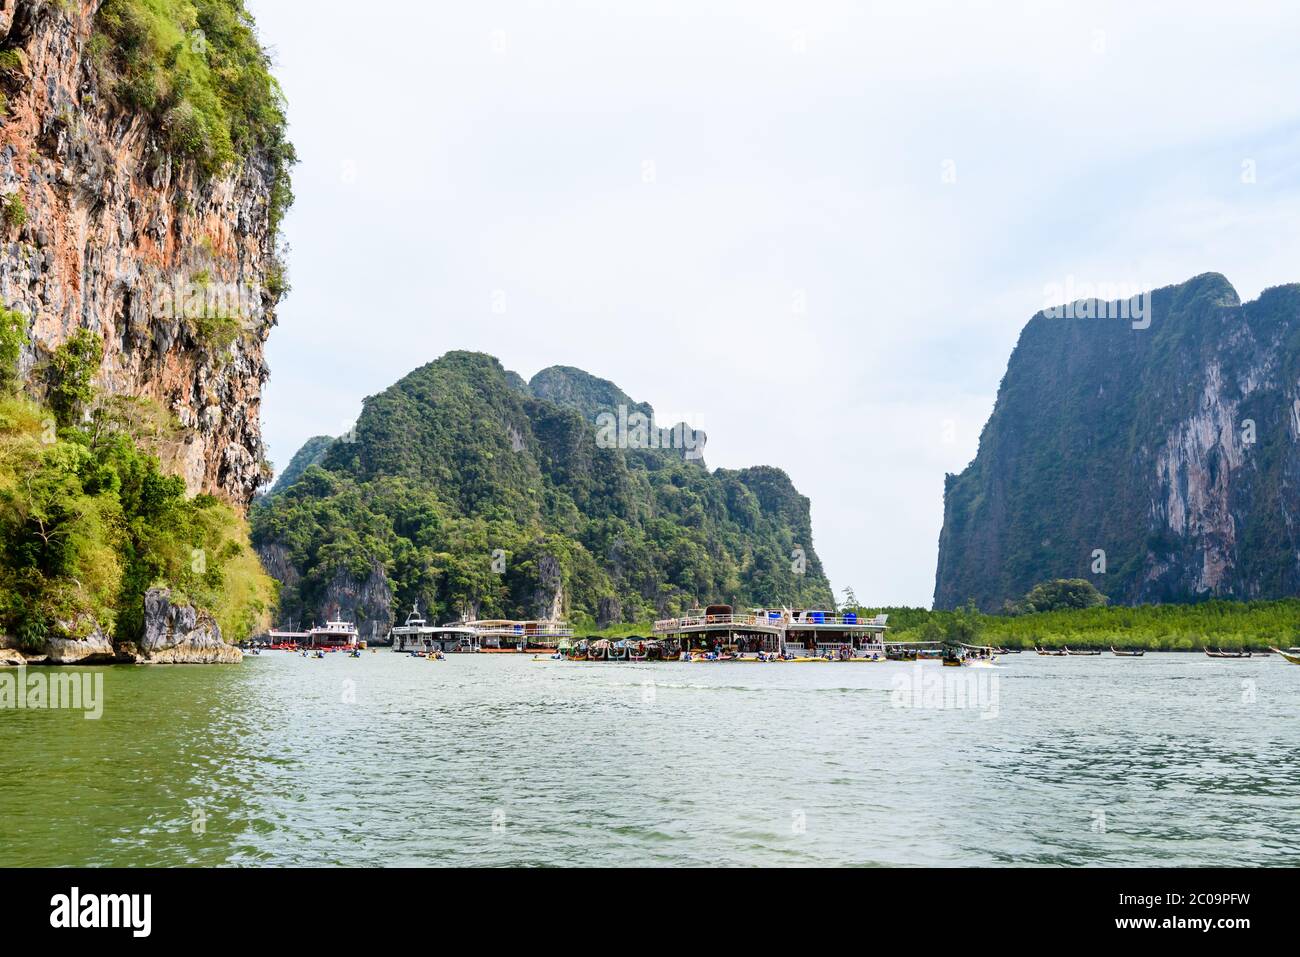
(333, 634)
(1126, 654)
(970, 656)
(824, 635)
(419, 637)
(1226, 654)
(1050, 654)
(1080, 654)
(1292, 655)
(979, 656)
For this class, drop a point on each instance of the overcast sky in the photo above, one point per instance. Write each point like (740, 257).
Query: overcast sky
(814, 229)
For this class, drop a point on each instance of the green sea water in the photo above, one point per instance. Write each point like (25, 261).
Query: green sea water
(501, 760)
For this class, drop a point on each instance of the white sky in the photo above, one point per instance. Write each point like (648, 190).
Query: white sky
(654, 193)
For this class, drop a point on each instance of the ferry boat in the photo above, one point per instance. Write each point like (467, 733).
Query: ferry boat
(333, 634)
(418, 636)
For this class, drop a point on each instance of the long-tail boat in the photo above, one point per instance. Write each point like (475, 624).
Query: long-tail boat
(1226, 654)
(1126, 654)
(1292, 655)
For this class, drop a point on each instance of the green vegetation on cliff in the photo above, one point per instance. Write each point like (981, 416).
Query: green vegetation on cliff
(89, 521)
(312, 451)
(468, 492)
(196, 67)
(583, 392)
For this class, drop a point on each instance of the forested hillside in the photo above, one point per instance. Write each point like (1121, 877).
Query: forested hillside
(470, 491)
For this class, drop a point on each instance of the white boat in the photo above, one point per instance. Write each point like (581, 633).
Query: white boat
(418, 636)
(333, 634)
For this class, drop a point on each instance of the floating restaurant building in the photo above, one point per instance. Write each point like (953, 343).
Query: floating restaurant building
(507, 635)
(798, 632)
(493, 635)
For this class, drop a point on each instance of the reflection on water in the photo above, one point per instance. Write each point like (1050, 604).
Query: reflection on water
(1169, 759)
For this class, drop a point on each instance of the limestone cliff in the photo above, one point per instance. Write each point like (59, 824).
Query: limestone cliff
(107, 226)
(1159, 459)
(470, 492)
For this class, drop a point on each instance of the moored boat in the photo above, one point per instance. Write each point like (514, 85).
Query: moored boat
(418, 636)
(1126, 654)
(333, 634)
(1226, 654)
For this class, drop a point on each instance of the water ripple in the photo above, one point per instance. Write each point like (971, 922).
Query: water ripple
(499, 760)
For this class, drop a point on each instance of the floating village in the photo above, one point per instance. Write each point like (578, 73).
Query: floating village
(714, 634)
(718, 633)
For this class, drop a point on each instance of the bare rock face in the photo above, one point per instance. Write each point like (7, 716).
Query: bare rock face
(96, 648)
(1158, 460)
(181, 635)
(92, 650)
(367, 601)
(609, 612)
(547, 599)
(275, 559)
(119, 239)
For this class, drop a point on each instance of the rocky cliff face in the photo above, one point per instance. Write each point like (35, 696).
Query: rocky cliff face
(179, 634)
(104, 230)
(1160, 463)
(174, 634)
(367, 600)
